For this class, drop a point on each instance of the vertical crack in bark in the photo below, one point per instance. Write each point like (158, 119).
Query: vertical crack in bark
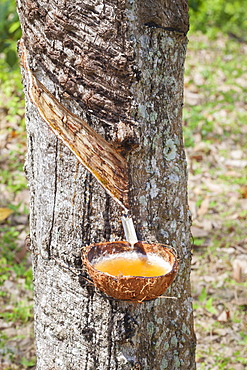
(75, 178)
(31, 161)
(152, 351)
(86, 225)
(110, 335)
(89, 205)
(107, 217)
(86, 360)
(86, 330)
(30, 175)
(49, 248)
(89, 334)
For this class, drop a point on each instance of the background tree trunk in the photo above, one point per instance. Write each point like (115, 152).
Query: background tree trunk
(119, 66)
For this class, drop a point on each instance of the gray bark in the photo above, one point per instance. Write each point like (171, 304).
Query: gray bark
(118, 65)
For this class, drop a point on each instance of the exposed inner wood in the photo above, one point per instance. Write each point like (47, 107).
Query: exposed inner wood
(93, 151)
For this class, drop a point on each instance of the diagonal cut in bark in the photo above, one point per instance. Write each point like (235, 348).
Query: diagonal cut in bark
(93, 151)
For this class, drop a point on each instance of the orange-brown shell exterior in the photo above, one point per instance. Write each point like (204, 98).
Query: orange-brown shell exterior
(133, 288)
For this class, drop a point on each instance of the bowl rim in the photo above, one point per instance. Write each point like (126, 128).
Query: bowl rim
(174, 265)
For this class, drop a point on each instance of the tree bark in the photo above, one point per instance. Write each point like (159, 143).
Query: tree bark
(118, 66)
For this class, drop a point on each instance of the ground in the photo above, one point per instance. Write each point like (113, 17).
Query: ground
(215, 116)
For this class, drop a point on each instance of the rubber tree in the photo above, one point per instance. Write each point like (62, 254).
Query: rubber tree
(117, 67)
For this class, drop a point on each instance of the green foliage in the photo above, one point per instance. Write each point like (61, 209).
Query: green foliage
(5, 273)
(10, 33)
(239, 358)
(21, 312)
(220, 88)
(9, 240)
(244, 338)
(11, 91)
(15, 181)
(8, 243)
(27, 363)
(11, 97)
(19, 270)
(205, 302)
(213, 16)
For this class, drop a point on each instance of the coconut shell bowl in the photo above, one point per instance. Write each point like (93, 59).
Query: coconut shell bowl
(131, 288)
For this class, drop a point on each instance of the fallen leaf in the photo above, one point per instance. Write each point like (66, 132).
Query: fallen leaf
(201, 147)
(241, 163)
(20, 254)
(224, 316)
(207, 225)
(239, 265)
(237, 154)
(5, 213)
(197, 157)
(243, 203)
(192, 98)
(214, 187)
(237, 272)
(238, 367)
(193, 208)
(232, 173)
(198, 233)
(204, 207)
(243, 191)
(241, 301)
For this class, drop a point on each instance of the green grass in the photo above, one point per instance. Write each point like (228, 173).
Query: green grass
(28, 362)
(20, 313)
(16, 180)
(214, 16)
(221, 86)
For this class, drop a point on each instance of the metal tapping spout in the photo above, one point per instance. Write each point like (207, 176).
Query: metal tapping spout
(129, 230)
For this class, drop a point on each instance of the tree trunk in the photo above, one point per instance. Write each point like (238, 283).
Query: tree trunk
(118, 66)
